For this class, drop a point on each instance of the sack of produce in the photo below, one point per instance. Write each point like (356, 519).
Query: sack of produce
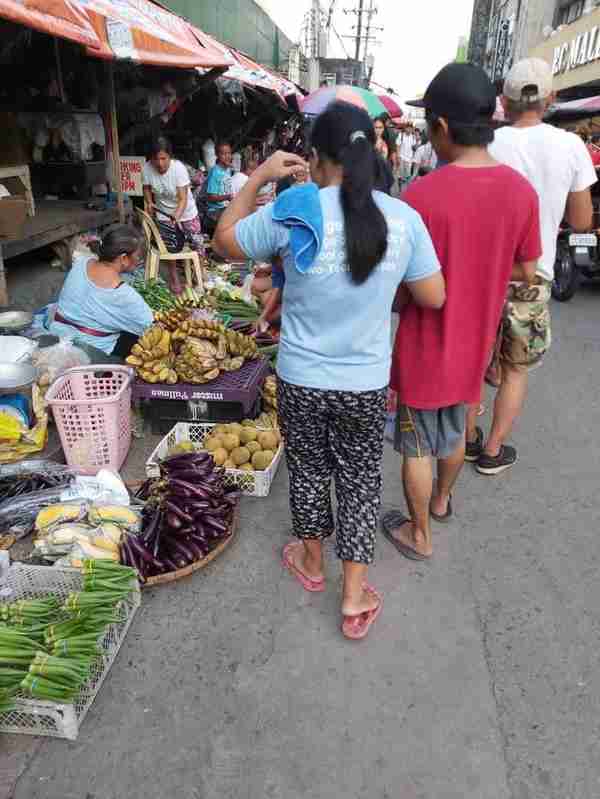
(123, 517)
(58, 514)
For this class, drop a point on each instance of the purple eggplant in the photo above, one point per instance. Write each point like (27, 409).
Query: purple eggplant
(152, 529)
(182, 550)
(200, 492)
(216, 524)
(176, 511)
(193, 477)
(141, 551)
(173, 522)
(169, 565)
(124, 555)
(198, 507)
(196, 549)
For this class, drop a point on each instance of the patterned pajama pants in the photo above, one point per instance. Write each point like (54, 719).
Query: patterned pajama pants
(339, 435)
(192, 230)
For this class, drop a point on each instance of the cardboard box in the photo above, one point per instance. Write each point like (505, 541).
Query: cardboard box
(13, 215)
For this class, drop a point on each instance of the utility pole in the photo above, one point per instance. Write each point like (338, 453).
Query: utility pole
(361, 11)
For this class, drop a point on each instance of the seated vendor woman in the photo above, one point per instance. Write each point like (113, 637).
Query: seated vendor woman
(95, 306)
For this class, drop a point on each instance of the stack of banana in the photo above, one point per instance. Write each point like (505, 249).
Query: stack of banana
(269, 393)
(171, 320)
(189, 298)
(190, 351)
(153, 358)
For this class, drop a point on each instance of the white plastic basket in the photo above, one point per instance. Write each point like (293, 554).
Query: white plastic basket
(252, 484)
(55, 719)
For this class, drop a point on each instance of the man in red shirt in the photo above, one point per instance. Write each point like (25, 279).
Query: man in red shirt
(483, 218)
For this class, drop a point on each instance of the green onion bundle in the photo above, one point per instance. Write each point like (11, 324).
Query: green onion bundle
(29, 611)
(46, 650)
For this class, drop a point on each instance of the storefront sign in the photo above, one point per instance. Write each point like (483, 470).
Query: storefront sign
(573, 52)
(581, 50)
(132, 168)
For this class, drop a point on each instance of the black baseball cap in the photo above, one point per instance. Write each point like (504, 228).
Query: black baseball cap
(461, 93)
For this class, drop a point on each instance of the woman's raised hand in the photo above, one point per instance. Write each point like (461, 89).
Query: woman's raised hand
(280, 165)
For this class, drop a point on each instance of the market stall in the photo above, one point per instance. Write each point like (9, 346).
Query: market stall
(61, 124)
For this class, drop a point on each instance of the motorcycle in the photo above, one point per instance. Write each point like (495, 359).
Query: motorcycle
(577, 254)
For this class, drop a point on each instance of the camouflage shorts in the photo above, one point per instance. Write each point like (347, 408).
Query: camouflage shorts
(525, 332)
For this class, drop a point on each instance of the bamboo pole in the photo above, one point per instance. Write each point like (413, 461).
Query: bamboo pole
(114, 128)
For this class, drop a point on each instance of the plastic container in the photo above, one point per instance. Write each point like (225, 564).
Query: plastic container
(63, 719)
(91, 407)
(252, 484)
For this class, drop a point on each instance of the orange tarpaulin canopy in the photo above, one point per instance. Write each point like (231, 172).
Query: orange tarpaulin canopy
(145, 32)
(139, 30)
(63, 18)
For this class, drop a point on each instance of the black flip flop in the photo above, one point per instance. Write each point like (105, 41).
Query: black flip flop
(392, 521)
(446, 517)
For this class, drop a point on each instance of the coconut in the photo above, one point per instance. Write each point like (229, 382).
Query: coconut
(248, 434)
(240, 456)
(220, 456)
(230, 442)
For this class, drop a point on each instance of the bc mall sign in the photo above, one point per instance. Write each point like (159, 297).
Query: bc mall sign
(579, 51)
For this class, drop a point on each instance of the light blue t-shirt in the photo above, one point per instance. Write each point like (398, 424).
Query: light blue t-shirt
(115, 311)
(337, 335)
(219, 183)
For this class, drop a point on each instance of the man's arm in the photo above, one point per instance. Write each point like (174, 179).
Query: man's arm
(429, 292)
(579, 211)
(524, 273)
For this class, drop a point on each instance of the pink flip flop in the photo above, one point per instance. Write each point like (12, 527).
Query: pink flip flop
(308, 583)
(357, 627)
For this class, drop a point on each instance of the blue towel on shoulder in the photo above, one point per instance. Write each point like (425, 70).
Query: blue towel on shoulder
(299, 209)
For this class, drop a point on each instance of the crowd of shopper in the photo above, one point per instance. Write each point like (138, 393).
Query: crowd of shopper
(466, 257)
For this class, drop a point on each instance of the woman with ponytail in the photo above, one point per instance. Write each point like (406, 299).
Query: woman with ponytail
(346, 249)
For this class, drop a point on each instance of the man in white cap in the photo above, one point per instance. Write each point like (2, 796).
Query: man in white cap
(559, 167)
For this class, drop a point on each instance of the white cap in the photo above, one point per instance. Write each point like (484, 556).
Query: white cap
(529, 81)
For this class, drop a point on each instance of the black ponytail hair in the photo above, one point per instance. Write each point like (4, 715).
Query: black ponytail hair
(118, 240)
(344, 135)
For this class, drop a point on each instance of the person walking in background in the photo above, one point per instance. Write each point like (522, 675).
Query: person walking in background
(219, 187)
(559, 167)
(425, 159)
(406, 154)
(381, 138)
(483, 218)
(168, 198)
(345, 250)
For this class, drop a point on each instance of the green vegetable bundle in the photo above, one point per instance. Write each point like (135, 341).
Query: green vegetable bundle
(47, 651)
(156, 294)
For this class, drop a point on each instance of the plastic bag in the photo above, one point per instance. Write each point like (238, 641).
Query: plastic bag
(18, 441)
(106, 488)
(54, 361)
(18, 515)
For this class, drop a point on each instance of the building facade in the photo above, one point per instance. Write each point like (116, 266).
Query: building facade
(242, 24)
(566, 33)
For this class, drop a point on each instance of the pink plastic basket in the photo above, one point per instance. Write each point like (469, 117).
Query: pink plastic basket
(91, 406)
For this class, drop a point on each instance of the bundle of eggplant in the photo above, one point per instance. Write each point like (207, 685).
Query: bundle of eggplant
(188, 510)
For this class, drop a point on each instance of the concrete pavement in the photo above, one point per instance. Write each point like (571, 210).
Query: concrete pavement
(479, 681)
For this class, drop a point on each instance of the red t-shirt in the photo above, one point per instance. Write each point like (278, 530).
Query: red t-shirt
(595, 153)
(482, 221)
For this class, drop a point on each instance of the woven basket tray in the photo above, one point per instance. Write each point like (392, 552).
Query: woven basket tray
(171, 577)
